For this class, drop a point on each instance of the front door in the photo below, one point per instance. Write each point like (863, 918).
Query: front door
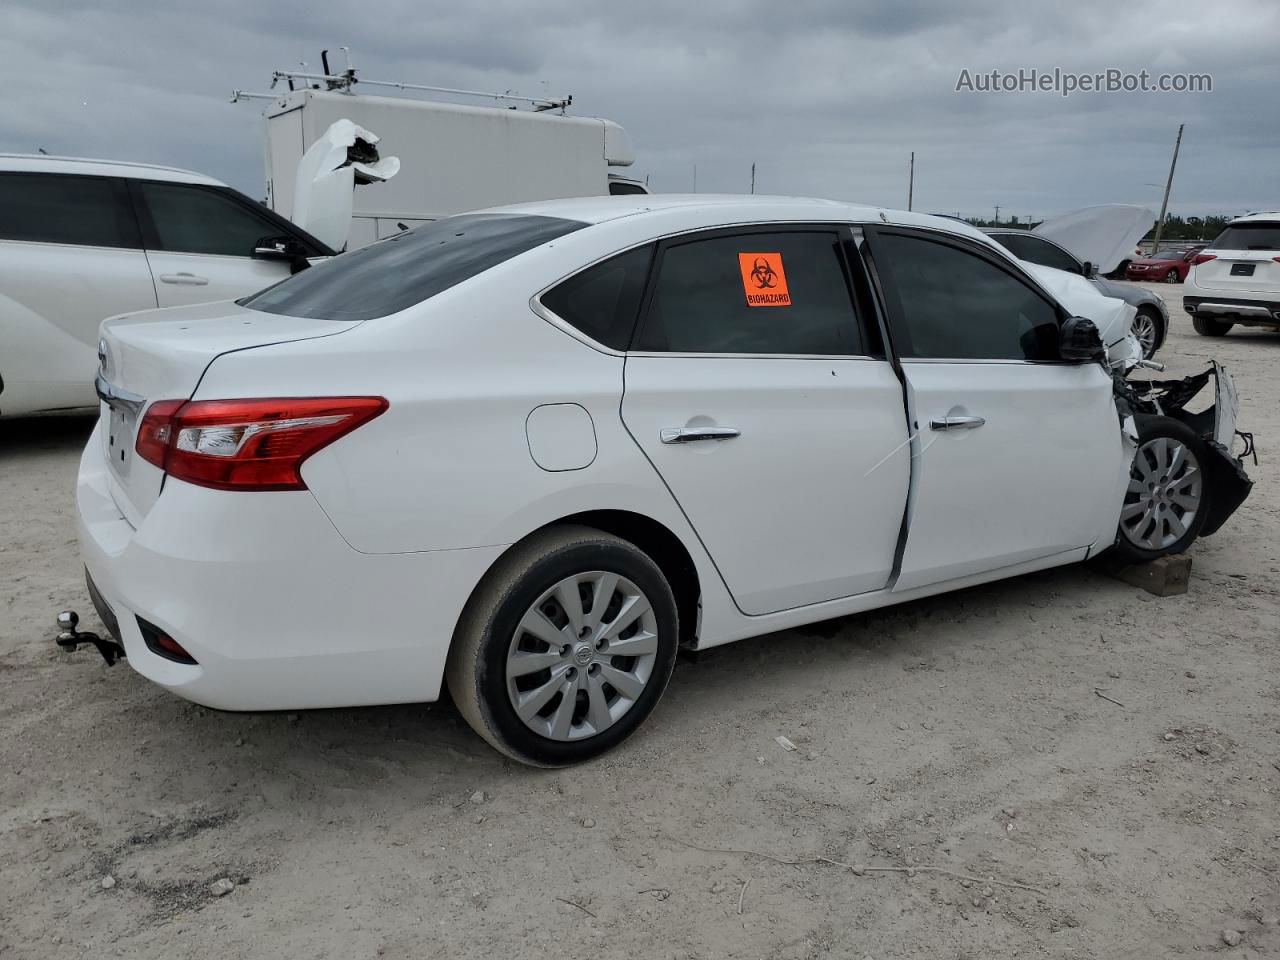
(770, 415)
(200, 243)
(1018, 453)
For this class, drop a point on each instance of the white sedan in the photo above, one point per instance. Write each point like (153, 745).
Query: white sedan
(531, 452)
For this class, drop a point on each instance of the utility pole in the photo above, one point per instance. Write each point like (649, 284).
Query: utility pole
(695, 178)
(997, 214)
(911, 180)
(1164, 204)
(753, 176)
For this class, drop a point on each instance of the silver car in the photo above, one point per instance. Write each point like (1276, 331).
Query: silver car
(1152, 321)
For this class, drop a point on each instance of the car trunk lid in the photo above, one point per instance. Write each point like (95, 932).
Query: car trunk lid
(162, 355)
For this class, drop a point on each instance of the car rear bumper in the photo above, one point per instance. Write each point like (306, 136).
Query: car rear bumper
(1245, 311)
(278, 611)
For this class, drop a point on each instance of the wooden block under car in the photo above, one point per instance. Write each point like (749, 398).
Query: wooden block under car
(1165, 577)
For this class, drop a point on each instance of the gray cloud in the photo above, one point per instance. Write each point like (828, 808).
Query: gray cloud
(827, 98)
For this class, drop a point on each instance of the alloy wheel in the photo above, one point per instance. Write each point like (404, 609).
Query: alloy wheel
(1171, 276)
(1165, 493)
(1144, 329)
(582, 655)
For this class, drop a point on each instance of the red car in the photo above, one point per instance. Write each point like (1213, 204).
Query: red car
(1167, 266)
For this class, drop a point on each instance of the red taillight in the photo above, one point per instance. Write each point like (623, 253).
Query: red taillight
(247, 444)
(154, 431)
(1204, 257)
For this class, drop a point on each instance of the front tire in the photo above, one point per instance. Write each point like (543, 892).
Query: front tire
(1167, 499)
(565, 647)
(1210, 328)
(1172, 277)
(1148, 328)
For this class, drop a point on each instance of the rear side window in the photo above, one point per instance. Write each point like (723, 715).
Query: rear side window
(61, 208)
(1249, 236)
(753, 293)
(407, 268)
(956, 305)
(602, 301)
(190, 219)
(1036, 250)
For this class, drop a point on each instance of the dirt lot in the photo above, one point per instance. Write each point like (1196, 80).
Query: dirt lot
(961, 733)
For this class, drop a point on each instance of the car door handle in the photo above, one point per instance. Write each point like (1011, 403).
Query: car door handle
(957, 423)
(690, 434)
(189, 279)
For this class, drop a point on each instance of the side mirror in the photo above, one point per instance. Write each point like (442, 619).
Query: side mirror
(281, 248)
(1090, 270)
(1079, 340)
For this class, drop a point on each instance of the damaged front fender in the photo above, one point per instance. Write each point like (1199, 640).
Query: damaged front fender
(1227, 482)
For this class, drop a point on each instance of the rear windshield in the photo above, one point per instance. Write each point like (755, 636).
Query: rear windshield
(392, 274)
(1249, 236)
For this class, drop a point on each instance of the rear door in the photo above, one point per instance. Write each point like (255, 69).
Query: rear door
(770, 412)
(1245, 260)
(200, 242)
(70, 256)
(1017, 453)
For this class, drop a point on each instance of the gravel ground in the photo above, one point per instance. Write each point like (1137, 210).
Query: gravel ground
(957, 736)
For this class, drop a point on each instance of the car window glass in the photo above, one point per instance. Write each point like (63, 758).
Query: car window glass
(1249, 236)
(409, 267)
(602, 300)
(189, 219)
(1037, 250)
(956, 305)
(619, 188)
(772, 293)
(58, 208)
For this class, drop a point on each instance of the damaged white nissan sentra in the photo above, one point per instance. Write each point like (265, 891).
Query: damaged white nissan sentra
(533, 451)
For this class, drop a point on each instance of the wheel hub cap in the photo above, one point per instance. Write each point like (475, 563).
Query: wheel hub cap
(582, 655)
(1164, 494)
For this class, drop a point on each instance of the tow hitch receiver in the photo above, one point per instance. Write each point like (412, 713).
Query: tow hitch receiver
(70, 639)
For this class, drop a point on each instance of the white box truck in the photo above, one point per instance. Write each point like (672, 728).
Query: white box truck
(453, 157)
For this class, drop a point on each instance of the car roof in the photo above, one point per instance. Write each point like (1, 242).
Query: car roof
(1261, 215)
(694, 210)
(87, 167)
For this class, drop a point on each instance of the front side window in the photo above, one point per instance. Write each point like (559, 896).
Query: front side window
(408, 268)
(62, 208)
(192, 219)
(752, 293)
(1037, 250)
(1259, 235)
(955, 305)
(602, 301)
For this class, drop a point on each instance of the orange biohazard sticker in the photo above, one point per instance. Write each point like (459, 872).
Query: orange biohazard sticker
(763, 280)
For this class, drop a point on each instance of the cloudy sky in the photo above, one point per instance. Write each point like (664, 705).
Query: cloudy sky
(828, 97)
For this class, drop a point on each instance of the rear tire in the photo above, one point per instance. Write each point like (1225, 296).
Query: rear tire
(1167, 500)
(1210, 328)
(577, 589)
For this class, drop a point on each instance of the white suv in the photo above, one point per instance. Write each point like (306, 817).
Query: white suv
(1236, 279)
(81, 240)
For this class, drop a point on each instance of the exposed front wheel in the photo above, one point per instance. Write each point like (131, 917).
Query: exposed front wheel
(565, 648)
(1167, 498)
(1171, 277)
(1210, 328)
